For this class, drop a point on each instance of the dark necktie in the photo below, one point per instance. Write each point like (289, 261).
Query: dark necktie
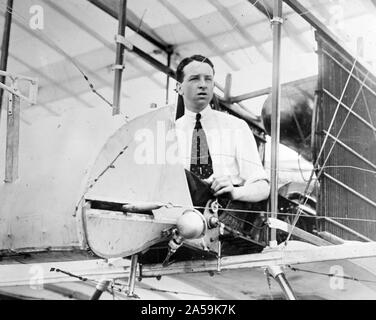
(201, 162)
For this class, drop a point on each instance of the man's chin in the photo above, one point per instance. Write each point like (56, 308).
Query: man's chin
(202, 103)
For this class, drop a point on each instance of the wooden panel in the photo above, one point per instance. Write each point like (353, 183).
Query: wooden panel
(139, 163)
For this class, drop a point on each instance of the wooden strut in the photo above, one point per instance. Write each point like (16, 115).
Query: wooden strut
(12, 139)
(5, 46)
(13, 121)
(269, 258)
(119, 64)
(275, 117)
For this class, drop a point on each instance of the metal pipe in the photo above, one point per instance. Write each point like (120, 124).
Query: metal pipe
(119, 57)
(277, 273)
(99, 289)
(168, 77)
(275, 117)
(285, 286)
(132, 275)
(5, 46)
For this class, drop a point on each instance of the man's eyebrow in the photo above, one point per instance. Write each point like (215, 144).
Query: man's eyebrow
(199, 74)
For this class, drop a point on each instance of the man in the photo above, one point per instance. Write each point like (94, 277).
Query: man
(215, 146)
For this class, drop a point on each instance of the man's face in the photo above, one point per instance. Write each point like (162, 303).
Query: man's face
(197, 86)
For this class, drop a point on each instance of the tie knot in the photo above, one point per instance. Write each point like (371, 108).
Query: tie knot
(198, 117)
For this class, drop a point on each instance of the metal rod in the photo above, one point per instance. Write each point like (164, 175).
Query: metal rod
(119, 57)
(369, 201)
(275, 117)
(282, 281)
(168, 77)
(132, 275)
(5, 46)
(99, 289)
(344, 145)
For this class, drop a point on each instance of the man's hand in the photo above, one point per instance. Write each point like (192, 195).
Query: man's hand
(221, 185)
(250, 192)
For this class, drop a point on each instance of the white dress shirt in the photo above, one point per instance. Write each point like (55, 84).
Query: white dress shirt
(231, 144)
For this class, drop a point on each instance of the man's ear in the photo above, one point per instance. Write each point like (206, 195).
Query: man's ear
(179, 88)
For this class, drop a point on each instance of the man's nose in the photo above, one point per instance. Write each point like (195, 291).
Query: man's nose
(202, 82)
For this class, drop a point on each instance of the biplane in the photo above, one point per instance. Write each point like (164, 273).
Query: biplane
(98, 195)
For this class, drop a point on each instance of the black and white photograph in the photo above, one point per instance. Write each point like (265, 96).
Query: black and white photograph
(206, 151)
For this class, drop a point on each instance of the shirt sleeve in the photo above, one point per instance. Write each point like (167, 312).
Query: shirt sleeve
(247, 155)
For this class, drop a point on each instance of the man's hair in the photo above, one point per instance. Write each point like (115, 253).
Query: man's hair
(180, 78)
(188, 60)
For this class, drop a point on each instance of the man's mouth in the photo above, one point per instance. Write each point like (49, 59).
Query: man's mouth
(202, 94)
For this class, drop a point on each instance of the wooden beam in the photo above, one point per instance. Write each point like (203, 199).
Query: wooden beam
(13, 138)
(278, 257)
(15, 274)
(265, 91)
(5, 45)
(119, 60)
(66, 292)
(304, 235)
(110, 7)
(228, 84)
(109, 45)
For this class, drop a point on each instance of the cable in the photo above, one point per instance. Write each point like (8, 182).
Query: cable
(61, 51)
(245, 221)
(331, 275)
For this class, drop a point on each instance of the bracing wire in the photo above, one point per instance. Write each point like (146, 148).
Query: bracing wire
(321, 151)
(58, 49)
(331, 275)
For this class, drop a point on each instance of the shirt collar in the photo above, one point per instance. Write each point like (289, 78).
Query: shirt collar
(204, 113)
